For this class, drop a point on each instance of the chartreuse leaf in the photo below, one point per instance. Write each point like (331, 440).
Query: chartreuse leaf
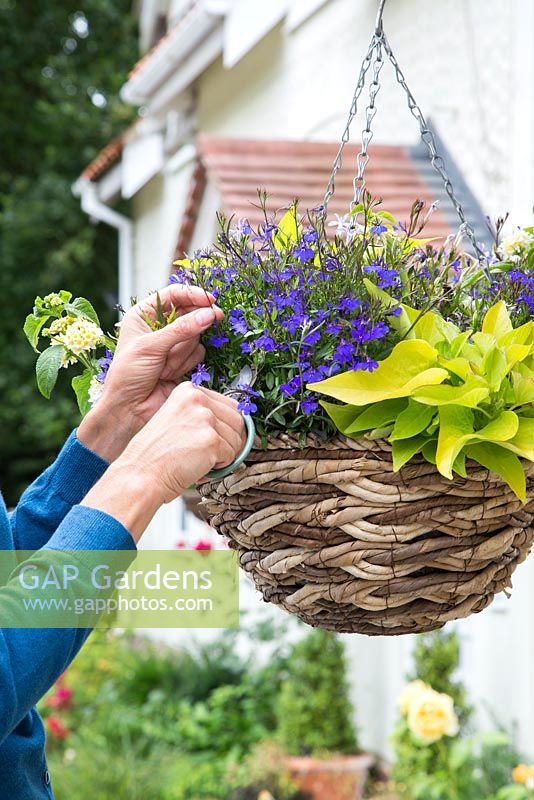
(495, 458)
(493, 367)
(497, 321)
(458, 343)
(523, 388)
(47, 368)
(483, 342)
(81, 384)
(410, 365)
(405, 449)
(522, 335)
(456, 430)
(433, 329)
(413, 420)
(376, 416)
(341, 416)
(455, 424)
(469, 394)
(404, 321)
(522, 443)
(32, 328)
(288, 229)
(459, 464)
(458, 366)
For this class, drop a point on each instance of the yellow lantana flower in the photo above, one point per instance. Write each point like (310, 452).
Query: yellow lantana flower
(431, 716)
(81, 336)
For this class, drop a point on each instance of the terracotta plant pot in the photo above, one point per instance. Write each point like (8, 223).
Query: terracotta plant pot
(336, 778)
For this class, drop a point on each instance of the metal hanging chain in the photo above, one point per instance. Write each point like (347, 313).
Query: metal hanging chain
(367, 133)
(374, 56)
(338, 162)
(330, 189)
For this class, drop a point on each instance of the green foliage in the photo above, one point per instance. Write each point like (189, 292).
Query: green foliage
(147, 721)
(51, 129)
(314, 710)
(449, 395)
(460, 768)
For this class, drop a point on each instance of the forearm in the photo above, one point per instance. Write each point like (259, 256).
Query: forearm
(127, 495)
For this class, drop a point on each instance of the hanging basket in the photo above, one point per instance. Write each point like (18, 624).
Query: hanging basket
(330, 533)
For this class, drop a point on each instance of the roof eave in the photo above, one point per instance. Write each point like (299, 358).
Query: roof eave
(196, 26)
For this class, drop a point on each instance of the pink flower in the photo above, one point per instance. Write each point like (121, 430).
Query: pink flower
(56, 728)
(203, 544)
(61, 699)
(180, 544)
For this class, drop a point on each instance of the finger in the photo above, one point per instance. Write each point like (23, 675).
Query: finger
(180, 355)
(225, 408)
(180, 296)
(184, 365)
(184, 328)
(236, 439)
(228, 448)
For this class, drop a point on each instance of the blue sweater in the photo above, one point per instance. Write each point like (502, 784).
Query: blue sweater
(31, 660)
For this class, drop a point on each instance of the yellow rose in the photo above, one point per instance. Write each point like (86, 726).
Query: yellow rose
(431, 716)
(409, 693)
(523, 773)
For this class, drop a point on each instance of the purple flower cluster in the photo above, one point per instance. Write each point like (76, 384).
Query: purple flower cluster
(290, 310)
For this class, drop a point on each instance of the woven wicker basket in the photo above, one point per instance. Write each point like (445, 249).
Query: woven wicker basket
(330, 533)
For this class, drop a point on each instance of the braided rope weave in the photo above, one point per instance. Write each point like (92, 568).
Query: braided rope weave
(330, 533)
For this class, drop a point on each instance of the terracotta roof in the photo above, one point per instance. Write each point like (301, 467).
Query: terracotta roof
(142, 63)
(105, 159)
(291, 169)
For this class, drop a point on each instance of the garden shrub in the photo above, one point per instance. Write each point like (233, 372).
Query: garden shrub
(314, 709)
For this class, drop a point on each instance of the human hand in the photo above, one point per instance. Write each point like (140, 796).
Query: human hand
(195, 431)
(147, 366)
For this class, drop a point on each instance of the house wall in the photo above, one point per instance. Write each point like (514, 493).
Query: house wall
(469, 64)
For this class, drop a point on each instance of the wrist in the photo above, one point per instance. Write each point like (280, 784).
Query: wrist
(127, 494)
(107, 430)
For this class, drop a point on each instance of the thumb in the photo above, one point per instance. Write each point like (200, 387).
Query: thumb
(187, 327)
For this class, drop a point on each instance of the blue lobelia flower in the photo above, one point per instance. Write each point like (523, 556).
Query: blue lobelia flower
(304, 253)
(200, 375)
(379, 229)
(219, 340)
(265, 342)
(247, 406)
(309, 404)
(237, 321)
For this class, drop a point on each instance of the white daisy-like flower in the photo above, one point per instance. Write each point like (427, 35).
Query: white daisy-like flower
(81, 336)
(516, 244)
(342, 224)
(95, 391)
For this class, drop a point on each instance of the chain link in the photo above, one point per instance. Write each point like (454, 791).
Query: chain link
(338, 162)
(367, 133)
(374, 57)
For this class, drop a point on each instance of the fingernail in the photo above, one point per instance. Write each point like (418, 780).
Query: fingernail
(205, 316)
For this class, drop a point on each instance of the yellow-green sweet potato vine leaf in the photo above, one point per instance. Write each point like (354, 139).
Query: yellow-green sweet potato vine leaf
(456, 431)
(411, 364)
(497, 321)
(470, 394)
(288, 230)
(503, 463)
(412, 421)
(446, 394)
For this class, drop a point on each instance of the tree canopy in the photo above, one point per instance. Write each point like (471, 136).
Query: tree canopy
(63, 65)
